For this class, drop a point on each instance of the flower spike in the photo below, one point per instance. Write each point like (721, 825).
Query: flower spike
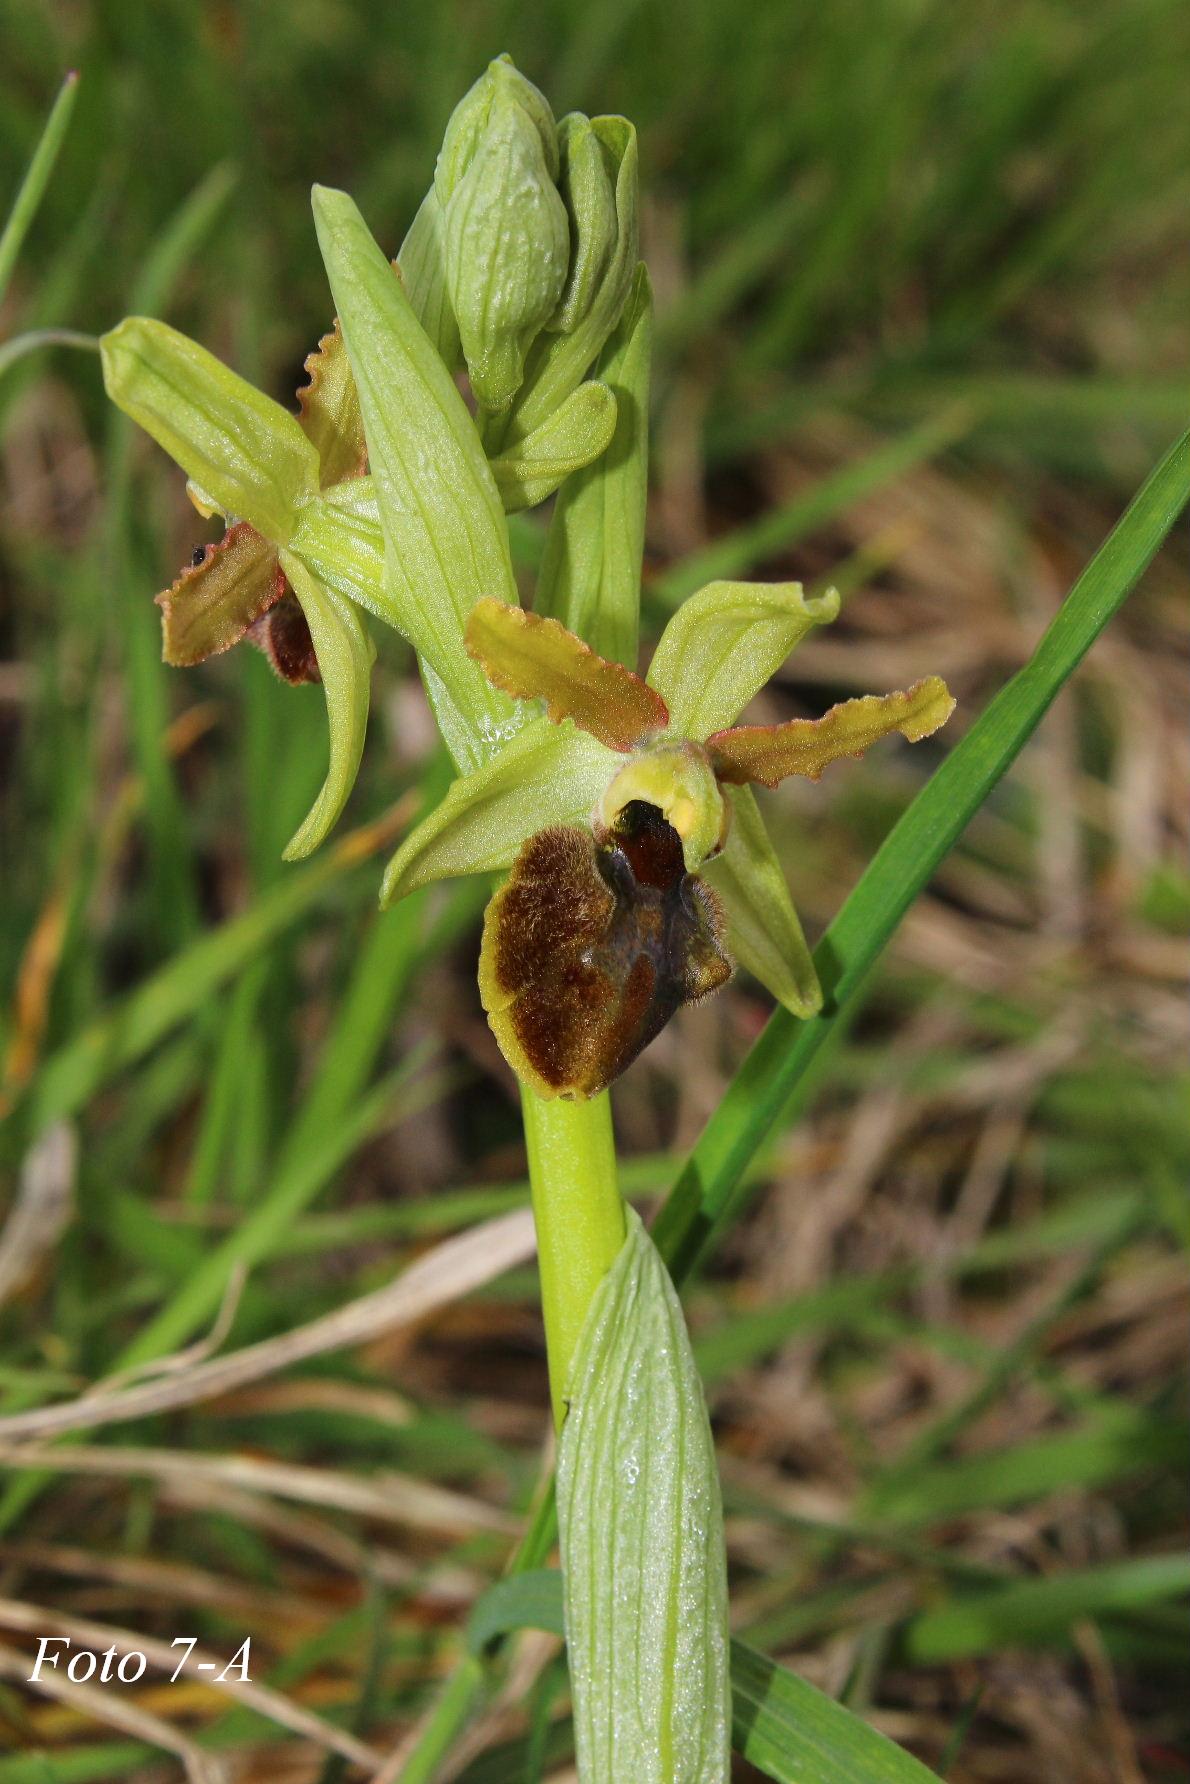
(534, 658)
(767, 754)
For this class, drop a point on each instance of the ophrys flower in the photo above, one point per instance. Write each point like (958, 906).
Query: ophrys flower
(640, 863)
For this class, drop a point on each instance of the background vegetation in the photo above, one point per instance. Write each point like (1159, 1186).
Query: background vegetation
(923, 293)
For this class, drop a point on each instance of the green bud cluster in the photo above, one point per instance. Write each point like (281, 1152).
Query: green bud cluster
(535, 224)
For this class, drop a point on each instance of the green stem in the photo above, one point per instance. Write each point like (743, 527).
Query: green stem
(579, 1217)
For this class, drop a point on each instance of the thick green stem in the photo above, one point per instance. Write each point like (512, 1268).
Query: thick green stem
(579, 1216)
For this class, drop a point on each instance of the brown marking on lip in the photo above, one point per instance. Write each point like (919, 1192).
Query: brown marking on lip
(590, 948)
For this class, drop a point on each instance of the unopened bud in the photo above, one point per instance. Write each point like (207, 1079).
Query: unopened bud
(507, 236)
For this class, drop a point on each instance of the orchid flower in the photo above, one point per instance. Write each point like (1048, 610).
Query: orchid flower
(640, 863)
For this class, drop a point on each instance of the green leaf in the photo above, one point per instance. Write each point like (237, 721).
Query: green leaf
(537, 659)
(546, 774)
(641, 1527)
(345, 656)
(764, 933)
(241, 448)
(529, 1600)
(590, 575)
(798, 1735)
(723, 645)
(440, 512)
(575, 434)
(705, 1192)
(769, 754)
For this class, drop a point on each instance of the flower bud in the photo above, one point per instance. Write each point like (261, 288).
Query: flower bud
(587, 181)
(507, 237)
(500, 81)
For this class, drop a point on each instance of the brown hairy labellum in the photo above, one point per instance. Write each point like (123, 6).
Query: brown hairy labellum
(591, 947)
(284, 636)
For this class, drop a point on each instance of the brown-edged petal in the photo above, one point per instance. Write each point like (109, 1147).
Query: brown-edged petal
(215, 601)
(589, 950)
(767, 754)
(329, 412)
(533, 658)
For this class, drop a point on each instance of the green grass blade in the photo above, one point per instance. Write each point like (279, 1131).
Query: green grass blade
(790, 1731)
(37, 178)
(702, 1199)
(1032, 1611)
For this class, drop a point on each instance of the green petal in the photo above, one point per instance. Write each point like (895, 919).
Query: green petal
(212, 604)
(590, 575)
(768, 754)
(446, 544)
(763, 930)
(724, 643)
(345, 656)
(574, 435)
(546, 774)
(537, 659)
(244, 451)
(328, 411)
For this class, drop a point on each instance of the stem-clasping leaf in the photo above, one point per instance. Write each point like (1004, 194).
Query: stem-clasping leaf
(642, 1540)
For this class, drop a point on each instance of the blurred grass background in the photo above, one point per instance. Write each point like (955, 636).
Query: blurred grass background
(923, 295)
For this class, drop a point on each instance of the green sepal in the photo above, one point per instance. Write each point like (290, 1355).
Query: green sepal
(546, 774)
(445, 541)
(591, 571)
(573, 436)
(345, 656)
(558, 363)
(422, 261)
(640, 1520)
(764, 932)
(245, 452)
(724, 643)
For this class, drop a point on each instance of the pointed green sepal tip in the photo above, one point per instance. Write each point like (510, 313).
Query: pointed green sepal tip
(345, 656)
(244, 452)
